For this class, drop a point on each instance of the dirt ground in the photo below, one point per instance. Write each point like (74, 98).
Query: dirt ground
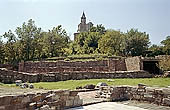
(17, 91)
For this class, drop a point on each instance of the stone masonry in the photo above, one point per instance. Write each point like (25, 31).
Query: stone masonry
(110, 65)
(50, 100)
(140, 93)
(66, 66)
(9, 76)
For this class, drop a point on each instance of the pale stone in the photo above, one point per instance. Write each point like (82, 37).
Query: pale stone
(26, 99)
(69, 103)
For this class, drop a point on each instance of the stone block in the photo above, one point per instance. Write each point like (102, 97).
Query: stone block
(69, 103)
(32, 106)
(2, 107)
(37, 98)
(80, 102)
(66, 92)
(45, 107)
(11, 107)
(55, 97)
(73, 93)
(64, 97)
(55, 103)
(39, 104)
(16, 100)
(26, 99)
(166, 101)
(5, 100)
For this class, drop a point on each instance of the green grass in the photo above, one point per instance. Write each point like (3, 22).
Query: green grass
(72, 84)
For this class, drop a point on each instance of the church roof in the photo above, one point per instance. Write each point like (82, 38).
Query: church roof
(83, 16)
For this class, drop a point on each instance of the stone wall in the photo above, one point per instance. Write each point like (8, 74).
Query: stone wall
(66, 66)
(50, 100)
(8, 76)
(133, 63)
(8, 66)
(140, 93)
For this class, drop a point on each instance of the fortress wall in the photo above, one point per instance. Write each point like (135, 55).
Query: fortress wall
(65, 66)
(8, 76)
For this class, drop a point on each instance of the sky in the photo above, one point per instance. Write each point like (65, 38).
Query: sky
(150, 16)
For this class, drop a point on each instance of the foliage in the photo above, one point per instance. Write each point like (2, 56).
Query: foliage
(55, 41)
(86, 43)
(112, 42)
(29, 42)
(155, 50)
(28, 34)
(166, 44)
(136, 42)
(2, 51)
(164, 64)
(99, 28)
(11, 48)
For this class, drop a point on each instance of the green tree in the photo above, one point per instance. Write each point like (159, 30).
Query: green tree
(2, 52)
(55, 41)
(86, 43)
(136, 42)
(11, 49)
(166, 45)
(99, 28)
(80, 42)
(112, 42)
(155, 50)
(28, 35)
(91, 42)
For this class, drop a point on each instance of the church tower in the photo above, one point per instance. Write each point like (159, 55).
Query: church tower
(83, 18)
(83, 26)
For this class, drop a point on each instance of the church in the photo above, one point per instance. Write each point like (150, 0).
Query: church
(83, 26)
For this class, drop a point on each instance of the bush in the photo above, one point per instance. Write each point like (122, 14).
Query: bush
(164, 64)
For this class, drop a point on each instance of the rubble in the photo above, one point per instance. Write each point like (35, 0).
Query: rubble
(141, 93)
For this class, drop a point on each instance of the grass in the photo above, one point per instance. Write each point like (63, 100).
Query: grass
(72, 84)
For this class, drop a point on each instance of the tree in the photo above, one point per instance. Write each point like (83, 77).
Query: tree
(155, 50)
(11, 49)
(112, 42)
(55, 41)
(99, 28)
(28, 34)
(86, 42)
(166, 45)
(80, 42)
(2, 52)
(136, 42)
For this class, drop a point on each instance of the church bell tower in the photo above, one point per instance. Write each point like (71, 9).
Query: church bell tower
(83, 18)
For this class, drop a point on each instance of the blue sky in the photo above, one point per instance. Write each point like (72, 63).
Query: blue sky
(151, 16)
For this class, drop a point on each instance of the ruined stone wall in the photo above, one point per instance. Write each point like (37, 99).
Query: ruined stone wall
(65, 66)
(140, 93)
(8, 76)
(8, 66)
(133, 63)
(50, 100)
(121, 65)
